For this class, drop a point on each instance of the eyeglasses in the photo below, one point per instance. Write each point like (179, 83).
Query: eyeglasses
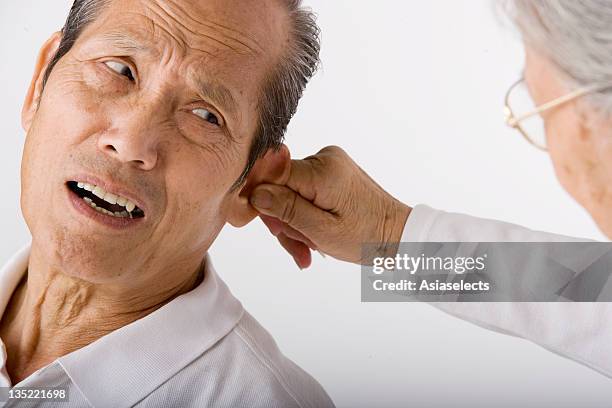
(530, 124)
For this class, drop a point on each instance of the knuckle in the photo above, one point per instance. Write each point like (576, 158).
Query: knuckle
(333, 150)
(330, 158)
(290, 210)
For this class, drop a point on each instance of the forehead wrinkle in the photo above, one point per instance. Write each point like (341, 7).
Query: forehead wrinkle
(222, 37)
(154, 29)
(250, 44)
(254, 47)
(156, 26)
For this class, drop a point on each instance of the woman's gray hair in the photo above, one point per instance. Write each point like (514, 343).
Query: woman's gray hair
(575, 35)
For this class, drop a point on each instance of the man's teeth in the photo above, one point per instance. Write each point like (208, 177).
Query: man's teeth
(122, 214)
(109, 198)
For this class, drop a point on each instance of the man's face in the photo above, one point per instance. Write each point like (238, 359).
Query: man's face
(157, 102)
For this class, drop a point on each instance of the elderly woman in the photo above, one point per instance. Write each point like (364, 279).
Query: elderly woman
(329, 204)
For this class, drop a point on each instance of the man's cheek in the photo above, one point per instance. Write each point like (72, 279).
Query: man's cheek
(196, 217)
(66, 121)
(212, 168)
(65, 85)
(41, 157)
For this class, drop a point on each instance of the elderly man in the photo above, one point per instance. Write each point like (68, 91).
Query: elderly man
(148, 123)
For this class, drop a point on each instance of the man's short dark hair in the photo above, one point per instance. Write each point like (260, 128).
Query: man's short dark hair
(281, 91)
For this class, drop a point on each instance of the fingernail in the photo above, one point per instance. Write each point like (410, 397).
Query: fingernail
(262, 199)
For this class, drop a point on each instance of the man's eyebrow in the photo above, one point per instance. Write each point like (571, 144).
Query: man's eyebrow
(124, 41)
(218, 94)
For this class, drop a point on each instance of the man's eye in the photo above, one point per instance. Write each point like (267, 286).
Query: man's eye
(120, 68)
(207, 116)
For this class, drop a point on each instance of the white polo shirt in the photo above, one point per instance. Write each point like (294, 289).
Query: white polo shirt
(200, 350)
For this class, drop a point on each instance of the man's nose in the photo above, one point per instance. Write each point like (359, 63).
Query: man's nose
(133, 138)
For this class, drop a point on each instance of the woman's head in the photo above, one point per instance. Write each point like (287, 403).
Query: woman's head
(569, 46)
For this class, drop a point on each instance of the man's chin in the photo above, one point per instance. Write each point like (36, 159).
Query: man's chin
(94, 270)
(91, 258)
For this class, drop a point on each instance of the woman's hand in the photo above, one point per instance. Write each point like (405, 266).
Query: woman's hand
(329, 204)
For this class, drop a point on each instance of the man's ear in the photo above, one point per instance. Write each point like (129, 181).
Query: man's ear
(45, 55)
(272, 168)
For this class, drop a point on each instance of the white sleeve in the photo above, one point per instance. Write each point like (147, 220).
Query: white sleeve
(579, 331)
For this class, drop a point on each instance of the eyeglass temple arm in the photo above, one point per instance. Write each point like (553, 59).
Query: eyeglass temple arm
(513, 121)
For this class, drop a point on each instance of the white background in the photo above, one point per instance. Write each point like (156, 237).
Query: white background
(413, 91)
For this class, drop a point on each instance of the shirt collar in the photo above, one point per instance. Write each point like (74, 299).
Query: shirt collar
(125, 366)
(10, 275)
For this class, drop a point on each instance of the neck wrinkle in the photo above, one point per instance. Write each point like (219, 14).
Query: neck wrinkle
(51, 314)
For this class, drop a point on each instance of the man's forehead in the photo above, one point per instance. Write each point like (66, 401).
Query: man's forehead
(225, 40)
(209, 26)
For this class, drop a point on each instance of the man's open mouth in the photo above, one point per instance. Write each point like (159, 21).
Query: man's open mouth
(104, 202)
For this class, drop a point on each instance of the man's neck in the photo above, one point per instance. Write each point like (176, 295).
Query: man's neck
(51, 314)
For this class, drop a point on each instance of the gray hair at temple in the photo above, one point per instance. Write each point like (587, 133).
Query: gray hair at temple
(281, 92)
(574, 35)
